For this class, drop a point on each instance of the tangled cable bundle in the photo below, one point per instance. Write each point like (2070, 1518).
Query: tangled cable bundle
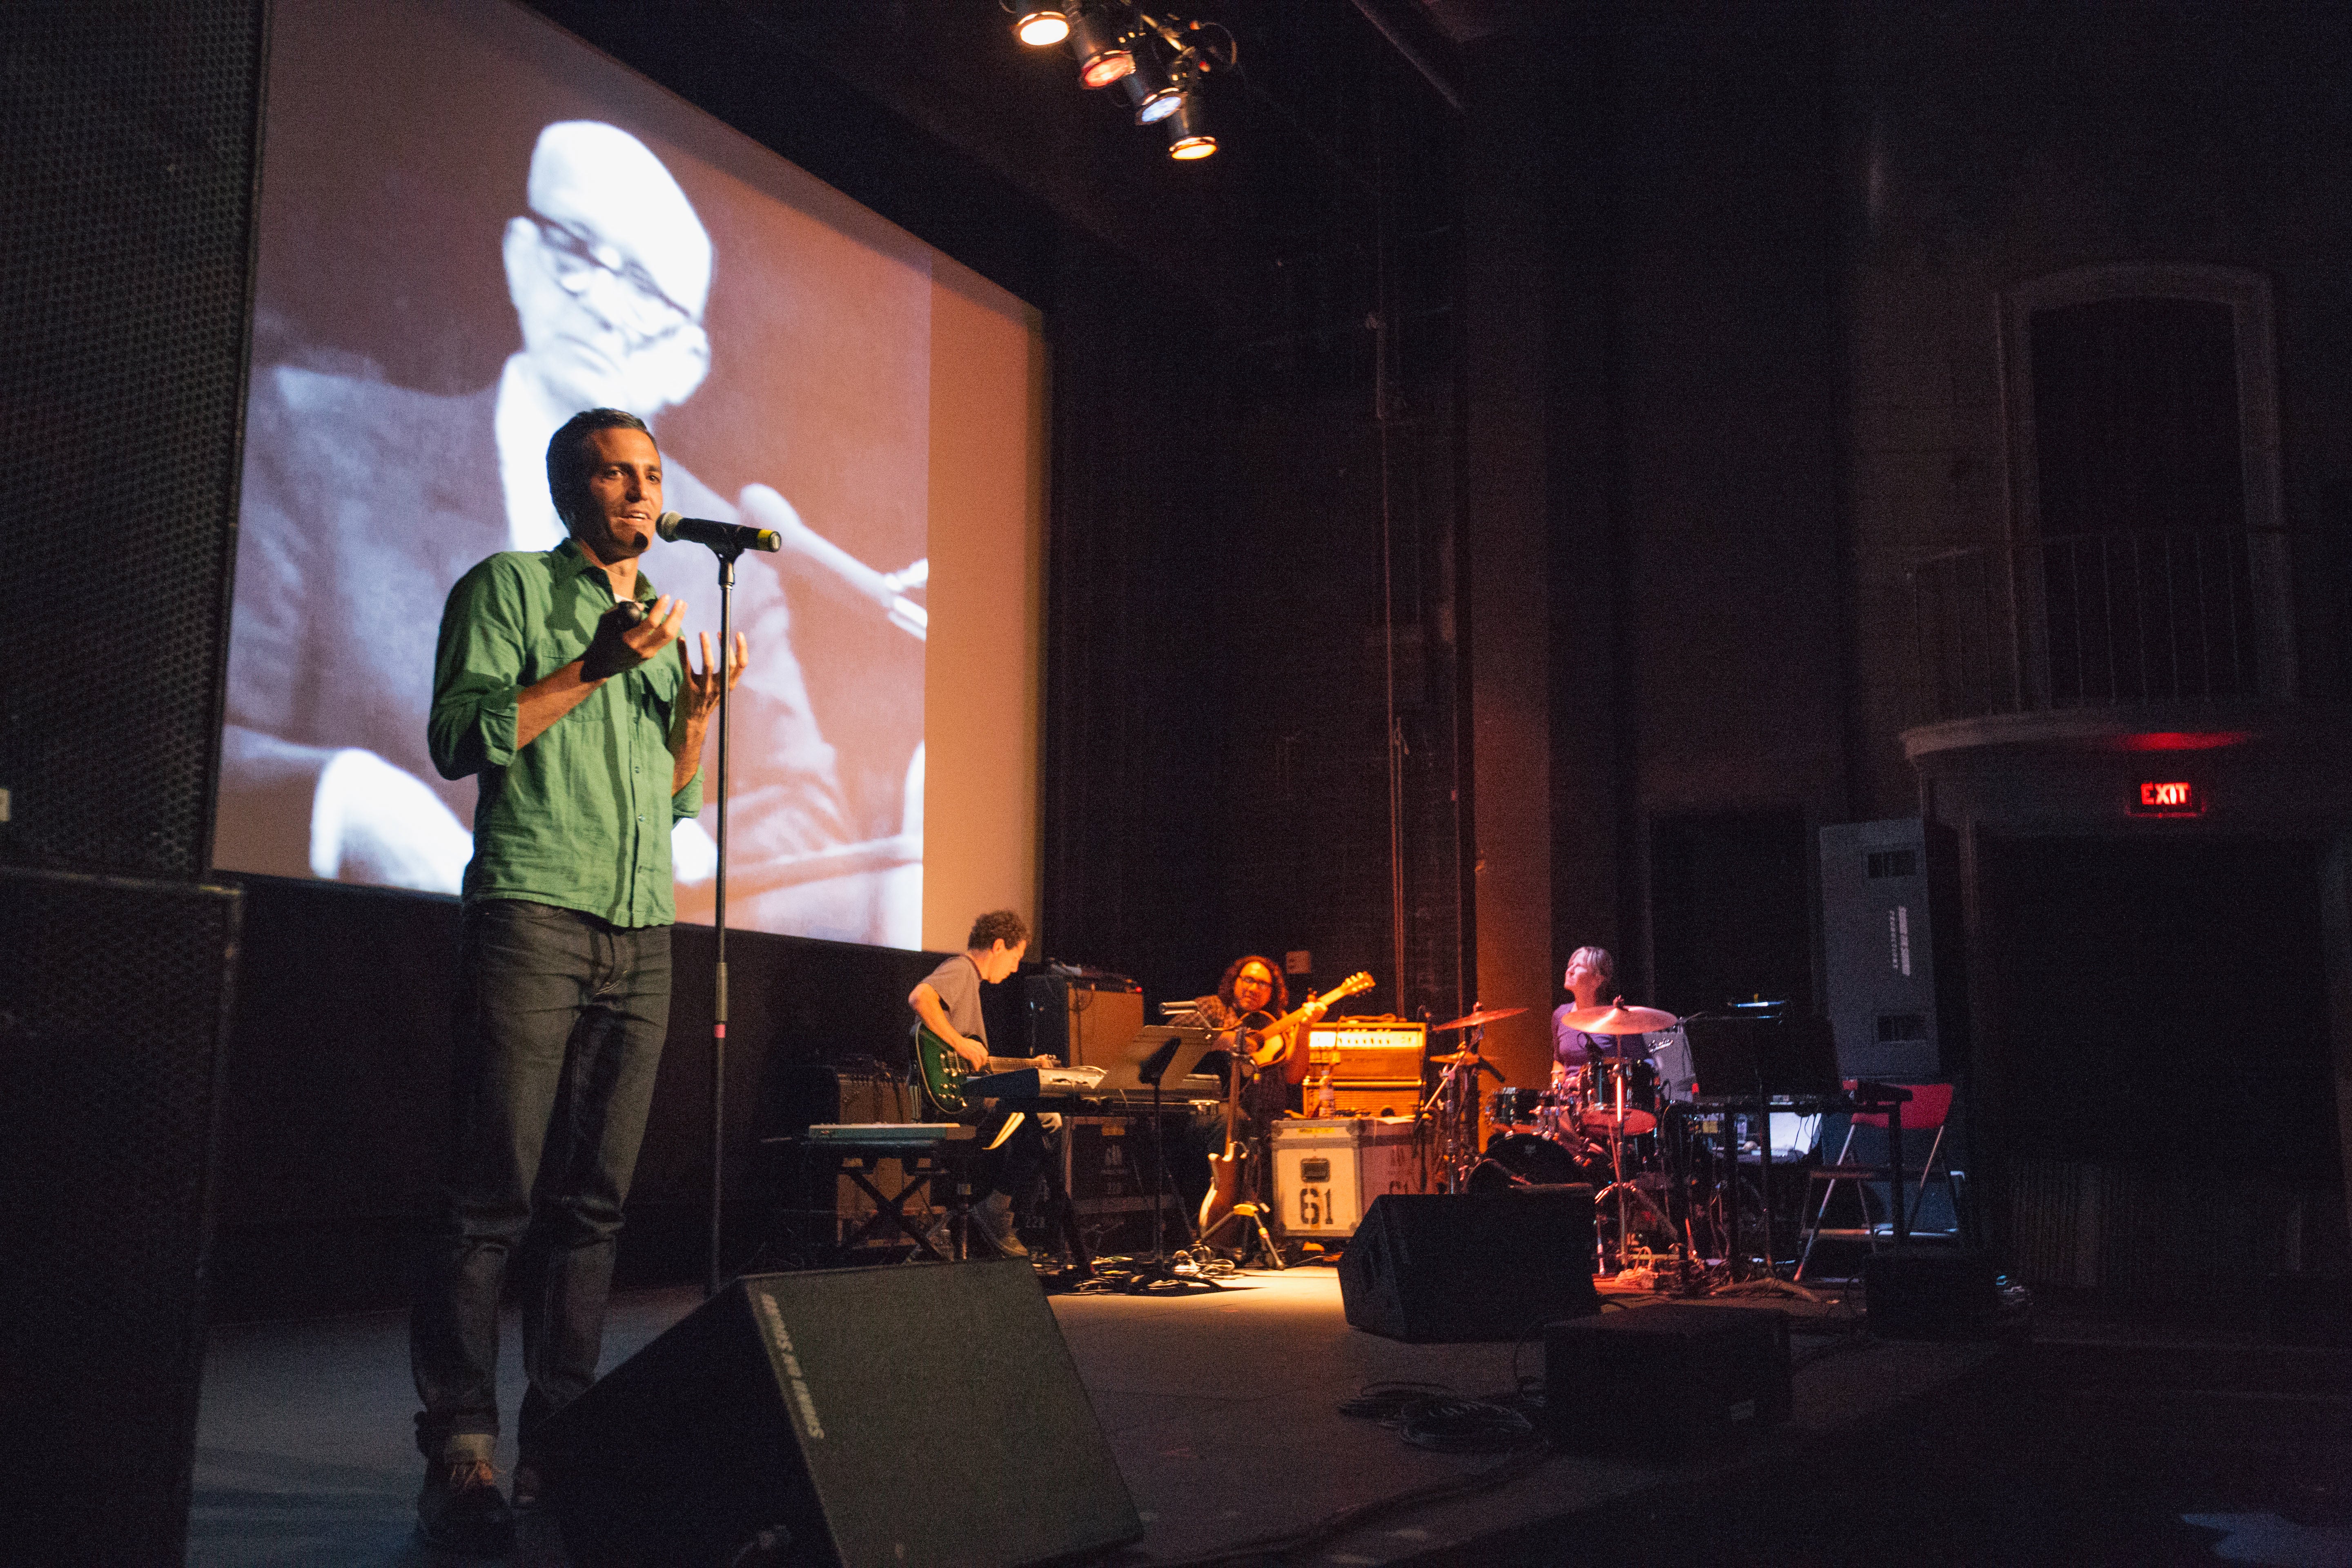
(1431, 1415)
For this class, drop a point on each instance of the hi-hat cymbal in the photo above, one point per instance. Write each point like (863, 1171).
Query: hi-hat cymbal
(1619, 1019)
(1472, 1020)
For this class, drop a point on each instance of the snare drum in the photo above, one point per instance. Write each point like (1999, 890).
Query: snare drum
(1515, 1108)
(1617, 1095)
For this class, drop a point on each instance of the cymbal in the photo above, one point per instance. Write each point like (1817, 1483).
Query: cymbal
(1620, 1020)
(1472, 1020)
(1457, 1059)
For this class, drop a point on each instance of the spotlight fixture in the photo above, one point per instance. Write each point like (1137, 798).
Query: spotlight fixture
(1100, 45)
(1041, 26)
(1155, 95)
(1161, 60)
(1188, 137)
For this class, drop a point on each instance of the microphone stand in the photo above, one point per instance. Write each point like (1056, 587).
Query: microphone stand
(718, 921)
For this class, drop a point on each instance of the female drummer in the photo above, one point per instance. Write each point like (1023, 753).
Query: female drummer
(1590, 972)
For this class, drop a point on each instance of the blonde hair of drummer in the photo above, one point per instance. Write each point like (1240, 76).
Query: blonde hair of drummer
(1590, 970)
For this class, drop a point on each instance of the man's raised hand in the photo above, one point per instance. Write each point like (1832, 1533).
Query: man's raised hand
(628, 635)
(702, 684)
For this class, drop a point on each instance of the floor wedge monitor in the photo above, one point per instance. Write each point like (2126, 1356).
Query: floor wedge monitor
(1444, 1268)
(865, 1417)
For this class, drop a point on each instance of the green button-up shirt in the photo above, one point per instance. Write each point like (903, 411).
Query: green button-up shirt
(581, 817)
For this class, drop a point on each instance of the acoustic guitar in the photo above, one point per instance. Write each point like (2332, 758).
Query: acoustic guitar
(1263, 1046)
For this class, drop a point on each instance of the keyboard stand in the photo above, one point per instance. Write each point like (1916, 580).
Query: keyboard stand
(927, 1160)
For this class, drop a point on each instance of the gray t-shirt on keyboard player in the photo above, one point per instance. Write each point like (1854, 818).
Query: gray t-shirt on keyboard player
(957, 982)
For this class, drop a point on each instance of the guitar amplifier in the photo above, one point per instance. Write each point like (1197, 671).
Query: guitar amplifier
(1382, 1051)
(1382, 1100)
(1083, 1021)
(1327, 1172)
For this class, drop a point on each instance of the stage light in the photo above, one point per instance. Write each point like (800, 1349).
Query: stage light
(1154, 97)
(1100, 45)
(1042, 26)
(1188, 137)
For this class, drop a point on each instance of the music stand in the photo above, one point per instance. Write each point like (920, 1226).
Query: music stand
(1148, 1058)
(1778, 1053)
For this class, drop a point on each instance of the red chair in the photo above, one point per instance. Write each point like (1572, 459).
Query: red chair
(1927, 1111)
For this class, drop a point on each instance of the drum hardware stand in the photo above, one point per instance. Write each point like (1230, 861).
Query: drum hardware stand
(1454, 1101)
(1619, 1187)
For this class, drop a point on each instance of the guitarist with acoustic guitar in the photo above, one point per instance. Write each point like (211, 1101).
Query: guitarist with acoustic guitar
(1249, 997)
(947, 1003)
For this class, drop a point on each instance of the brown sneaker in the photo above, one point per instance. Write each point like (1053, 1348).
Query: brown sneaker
(460, 1510)
(993, 1217)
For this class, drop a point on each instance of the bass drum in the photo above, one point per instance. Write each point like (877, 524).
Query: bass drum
(1522, 1159)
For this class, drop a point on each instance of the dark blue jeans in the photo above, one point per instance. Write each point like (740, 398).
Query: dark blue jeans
(560, 1028)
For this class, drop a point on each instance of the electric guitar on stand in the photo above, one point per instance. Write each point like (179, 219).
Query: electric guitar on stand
(1262, 1046)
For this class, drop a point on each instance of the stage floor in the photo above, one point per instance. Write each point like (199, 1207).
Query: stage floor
(1220, 1407)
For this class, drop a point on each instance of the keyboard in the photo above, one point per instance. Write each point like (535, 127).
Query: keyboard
(1802, 1104)
(1032, 1083)
(891, 1134)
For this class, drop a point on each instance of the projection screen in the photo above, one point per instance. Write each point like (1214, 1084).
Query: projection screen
(472, 226)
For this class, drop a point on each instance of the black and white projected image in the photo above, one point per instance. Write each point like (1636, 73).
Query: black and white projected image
(376, 475)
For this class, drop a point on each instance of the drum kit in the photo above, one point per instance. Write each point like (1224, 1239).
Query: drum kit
(1598, 1124)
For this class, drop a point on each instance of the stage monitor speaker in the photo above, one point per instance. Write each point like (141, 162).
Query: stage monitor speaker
(1940, 1293)
(1667, 1379)
(916, 1413)
(1890, 932)
(1447, 1268)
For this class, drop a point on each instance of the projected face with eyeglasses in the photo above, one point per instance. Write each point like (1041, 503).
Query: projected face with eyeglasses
(609, 271)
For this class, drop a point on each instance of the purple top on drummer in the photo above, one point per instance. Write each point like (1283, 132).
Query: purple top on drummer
(1590, 970)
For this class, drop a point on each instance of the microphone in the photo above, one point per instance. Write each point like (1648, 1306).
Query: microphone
(727, 538)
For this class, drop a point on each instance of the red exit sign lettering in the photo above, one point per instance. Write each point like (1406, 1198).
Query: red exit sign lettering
(2168, 798)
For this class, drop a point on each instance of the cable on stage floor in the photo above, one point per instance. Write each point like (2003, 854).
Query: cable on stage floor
(1432, 1416)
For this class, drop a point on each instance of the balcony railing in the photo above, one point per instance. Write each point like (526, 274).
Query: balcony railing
(2103, 620)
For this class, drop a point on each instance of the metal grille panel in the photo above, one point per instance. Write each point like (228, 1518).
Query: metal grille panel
(130, 133)
(110, 1049)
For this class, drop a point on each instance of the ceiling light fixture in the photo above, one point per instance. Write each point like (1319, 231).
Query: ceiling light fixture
(1041, 26)
(1100, 43)
(1163, 60)
(1188, 136)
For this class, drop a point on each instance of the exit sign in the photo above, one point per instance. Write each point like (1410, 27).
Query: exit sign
(2168, 797)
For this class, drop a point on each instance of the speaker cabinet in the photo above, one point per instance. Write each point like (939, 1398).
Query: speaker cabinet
(111, 1086)
(1084, 1022)
(1667, 1379)
(1447, 1268)
(916, 1413)
(1890, 934)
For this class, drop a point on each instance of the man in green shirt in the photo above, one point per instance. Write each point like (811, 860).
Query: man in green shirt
(560, 680)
